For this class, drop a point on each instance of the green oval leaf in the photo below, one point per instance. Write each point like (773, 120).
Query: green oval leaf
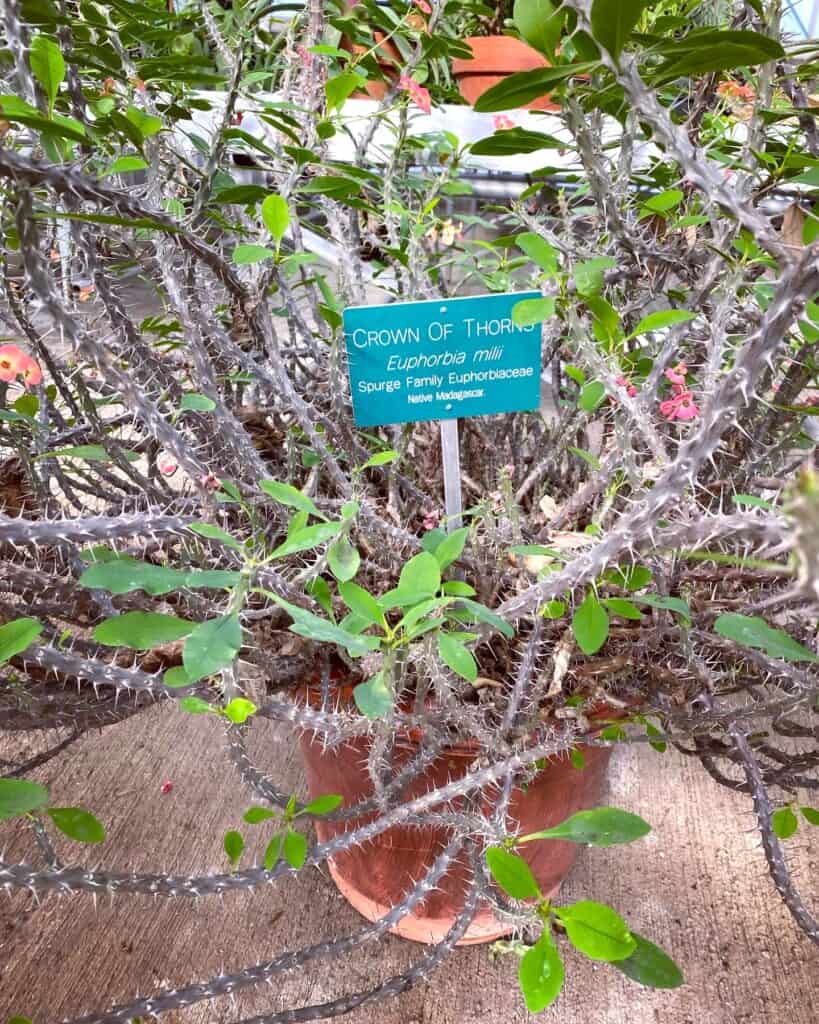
(234, 846)
(211, 646)
(142, 630)
(512, 874)
(215, 533)
(451, 547)
(601, 826)
(122, 575)
(625, 609)
(16, 636)
(590, 625)
(47, 66)
(541, 974)
(256, 815)
(239, 710)
(597, 930)
(612, 22)
(192, 401)
(753, 631)
(539, 251)
(286, 494)
(785, 823)
(295, 849)
(532, 311)
(421, 575)
(245, 254)
(457, 657)
(521, 88)
(19, 796)
(663, 318)
(361, 602)
(77, 824)
(650, 966)
(374, 699)
(306, 539)
(343, 559)
(273, 853)
(276, 216)
(592, 395)
(323, 804)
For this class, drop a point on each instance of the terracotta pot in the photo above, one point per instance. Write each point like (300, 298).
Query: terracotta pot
(389, 61)
(493, 59)
(376, 876)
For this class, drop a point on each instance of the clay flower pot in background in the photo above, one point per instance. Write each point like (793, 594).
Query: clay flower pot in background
(376, 876)
(493, 59)
(389, 61)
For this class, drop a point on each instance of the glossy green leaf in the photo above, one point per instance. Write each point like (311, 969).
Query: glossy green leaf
(196, 706)
(77, 824)
(234, 846)
(512, 874)
(374, 699)
(379, 459)
(343, 559)
(589, 276)
(212, 646)
(590, 625)
(286, 494)
(753, 501)
(592, 396)
(192, 401)
(650, 966)
(784, 821)
(47, 66)
(239, 710)
(451, 547)
(457, 656)
(216, 533)
(669, 604)
(272, 853)
(16, 636)
(307, 539)
(532, 311)
(630, 577)
(315, 628)
(601, 826)
(664, 318)
(340, 87)
(361, 602)
(597, 930)
(420, 575)
(483, 614)
(539, 251)
(553, 609)
(146, 124)
(276, 216)
(86, 452)
(810, 814)
(521, 88)
(256, 815)
(513, 141)
(123, 575)
(19, 796)
(625, 609)
(323, 804)
(753, 631)
(295, 849)
(244, 254)
(126, 165)
(612, 22)
(142, 630)
(541, 974)
(720, 50)
(539, 23)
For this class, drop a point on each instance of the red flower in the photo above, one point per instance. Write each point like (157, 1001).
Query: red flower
(305, 56)
(423, 6)
(419, 95)
(210, 482)
(14, 361)
(165, 788)
(681, 407)
(502, 122)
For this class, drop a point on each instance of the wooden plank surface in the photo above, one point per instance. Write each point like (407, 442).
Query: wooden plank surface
(697, 885)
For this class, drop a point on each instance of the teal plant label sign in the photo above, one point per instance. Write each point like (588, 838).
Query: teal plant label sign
(441, 359)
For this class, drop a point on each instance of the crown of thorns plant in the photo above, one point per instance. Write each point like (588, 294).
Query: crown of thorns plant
(200, 464)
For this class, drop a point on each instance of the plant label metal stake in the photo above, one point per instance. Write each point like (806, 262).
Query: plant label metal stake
(439, 360)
